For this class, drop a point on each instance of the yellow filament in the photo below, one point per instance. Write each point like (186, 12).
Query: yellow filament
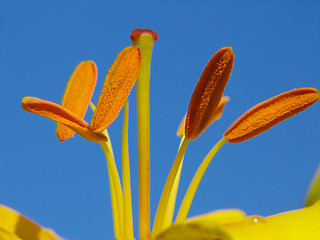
(173, 178)
(115, 187)
(127, 205)
(114, 206)
(186, 203)
(172, 199)
(114, 203)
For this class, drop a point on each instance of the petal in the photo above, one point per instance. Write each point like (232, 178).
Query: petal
(221, 216)
(116, 88)
(294, 225)
(14, 224)
(208, 226)
(209, 89)
(7, 235)
(232, 224)
(195, 231)
(57, 113)
(78, 94)
(270, 112)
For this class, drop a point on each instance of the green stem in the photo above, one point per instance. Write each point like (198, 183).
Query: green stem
(186, 203)
(145, 43)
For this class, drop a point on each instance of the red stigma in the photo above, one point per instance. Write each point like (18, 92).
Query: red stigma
(135, 34)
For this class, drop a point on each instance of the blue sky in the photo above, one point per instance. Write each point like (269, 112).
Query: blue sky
(64, 186)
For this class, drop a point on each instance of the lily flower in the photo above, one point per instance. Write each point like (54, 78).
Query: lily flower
(206, 106)
(208, 92)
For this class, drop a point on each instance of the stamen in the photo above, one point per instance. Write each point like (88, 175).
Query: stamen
(269, 113)
(57, 113)
(209, 90)
(206, 121)
(116, 88)
(77, 95)
(182, 127)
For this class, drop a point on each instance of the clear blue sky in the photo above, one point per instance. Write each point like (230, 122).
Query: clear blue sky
(64, 186)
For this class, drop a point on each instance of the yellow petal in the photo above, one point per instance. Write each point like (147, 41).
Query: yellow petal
(270, 112)
(294, 225)
(195, 230)
(14, 224)
(208, 226)
(7, 235)
(77, 95)
(116, 88)
(220, 216)
(232, 224)
(57, 113)
(209, 89)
